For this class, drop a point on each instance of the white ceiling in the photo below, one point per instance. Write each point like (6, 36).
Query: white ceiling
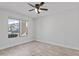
(23, 7)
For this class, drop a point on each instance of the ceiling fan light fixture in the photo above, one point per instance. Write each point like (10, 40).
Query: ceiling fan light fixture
(40, 10)
(36, 10)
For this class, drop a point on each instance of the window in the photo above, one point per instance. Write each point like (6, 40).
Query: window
(23, 28)
(13, 29)
(17, 28)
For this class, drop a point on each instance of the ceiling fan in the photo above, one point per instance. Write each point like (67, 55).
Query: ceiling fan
(37, 7)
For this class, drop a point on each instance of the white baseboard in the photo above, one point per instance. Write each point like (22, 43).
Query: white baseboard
(8, 46)
(62, 45)
(45, 41)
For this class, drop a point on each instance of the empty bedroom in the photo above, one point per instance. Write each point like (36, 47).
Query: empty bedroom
(39, 28)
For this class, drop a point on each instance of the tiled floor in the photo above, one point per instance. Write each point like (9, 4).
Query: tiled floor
(35, 48)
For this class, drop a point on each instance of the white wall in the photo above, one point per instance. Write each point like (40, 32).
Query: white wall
(60, 29)
(9, 42)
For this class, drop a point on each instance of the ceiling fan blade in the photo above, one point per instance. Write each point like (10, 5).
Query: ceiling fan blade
(30, 4)
(44, 9)
(31, 9)
(42, 3)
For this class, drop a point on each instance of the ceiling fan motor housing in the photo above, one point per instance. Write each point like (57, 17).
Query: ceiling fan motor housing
(37, 6)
